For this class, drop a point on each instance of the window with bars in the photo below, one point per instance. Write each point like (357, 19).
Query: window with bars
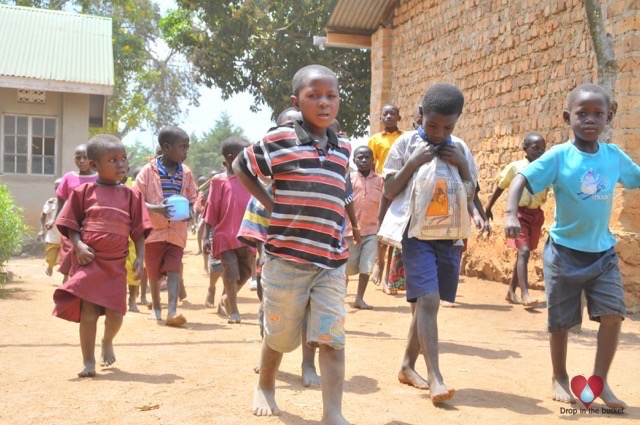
(29, 145)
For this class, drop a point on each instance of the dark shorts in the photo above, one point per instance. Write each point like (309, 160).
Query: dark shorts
(431, 267)
(238, 264)
(161, 258)
(531, 221)
(568, 272)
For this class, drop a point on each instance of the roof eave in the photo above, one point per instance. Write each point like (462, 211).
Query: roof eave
(54, 86)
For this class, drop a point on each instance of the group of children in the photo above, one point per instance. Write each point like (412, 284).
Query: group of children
(287, 198)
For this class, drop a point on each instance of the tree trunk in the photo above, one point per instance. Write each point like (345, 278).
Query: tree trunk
(605, 54)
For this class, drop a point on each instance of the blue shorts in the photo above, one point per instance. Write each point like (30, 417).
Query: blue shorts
(568, 272)
(431, 267)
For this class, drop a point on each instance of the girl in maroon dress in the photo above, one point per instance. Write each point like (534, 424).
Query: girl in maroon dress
(98, 219)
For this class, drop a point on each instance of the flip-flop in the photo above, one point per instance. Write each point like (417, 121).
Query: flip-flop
(178, 320)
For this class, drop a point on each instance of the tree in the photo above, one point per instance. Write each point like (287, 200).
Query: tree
(139, 154)
(257, 46)
(604, 51)
(151, 81)
(205, 153)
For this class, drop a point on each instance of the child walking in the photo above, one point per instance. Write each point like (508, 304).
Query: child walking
(531, 219)
(306, 251)
(49, 232)
(161, 178)
(70, 181)
(367, 193)
(226, 205)
(98, 219)
(440, 170)
(579, 254)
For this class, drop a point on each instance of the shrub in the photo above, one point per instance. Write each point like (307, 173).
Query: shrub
(12, 230)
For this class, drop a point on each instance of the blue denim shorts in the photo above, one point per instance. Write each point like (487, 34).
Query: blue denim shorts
(568, 272)
(431, 267)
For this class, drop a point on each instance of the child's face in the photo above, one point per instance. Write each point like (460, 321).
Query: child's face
(390, 117)
(417, 118)
(318, 102)
(534, 147)
(82, 162)
(588, 116)
(112, 165)
(176, 151)
(363, 159)
(438, 126)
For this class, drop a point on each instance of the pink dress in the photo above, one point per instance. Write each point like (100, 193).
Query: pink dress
(226, 205)
(70, 181)
(105, 216)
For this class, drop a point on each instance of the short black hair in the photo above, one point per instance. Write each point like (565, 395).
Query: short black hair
(100, 143)
(590, 88)
(233, 145)
(392, 106)
(283, 118)
(81, 147)
(362, 148)
(532, 135)
(299, 79)
(443, 98)
(171, 134)
(335, 126)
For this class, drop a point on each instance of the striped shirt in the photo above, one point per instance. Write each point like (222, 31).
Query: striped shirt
(171, 185)
(308, 218)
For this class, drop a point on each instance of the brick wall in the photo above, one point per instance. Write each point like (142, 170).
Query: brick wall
(515, 61)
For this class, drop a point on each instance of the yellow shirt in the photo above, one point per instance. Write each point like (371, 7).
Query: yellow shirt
(527, 200)
(380, 143)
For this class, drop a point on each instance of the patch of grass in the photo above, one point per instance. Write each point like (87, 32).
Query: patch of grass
(7, 293)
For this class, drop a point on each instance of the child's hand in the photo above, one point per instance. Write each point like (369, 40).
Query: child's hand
(84, 253)
(162, 209)
(357, 238)
(452, 154)
(486, 228)
(489, 214)
(206, 246)
(138, 267)
(49, 225)
(424, 153)
(511, 226)
(40, 235)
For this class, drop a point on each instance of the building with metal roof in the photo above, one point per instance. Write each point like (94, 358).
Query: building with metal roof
(56, 70)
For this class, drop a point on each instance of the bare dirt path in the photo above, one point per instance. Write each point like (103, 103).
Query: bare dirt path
(494, 354)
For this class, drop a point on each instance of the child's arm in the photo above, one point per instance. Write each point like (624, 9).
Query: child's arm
(83, 251)
(494, 198)
(479, 217)
(41, 232)
(206, 245)
(252, 184)
(395, 183)
(138, 263)
(511, 222)
(382, 209)
(351, 212)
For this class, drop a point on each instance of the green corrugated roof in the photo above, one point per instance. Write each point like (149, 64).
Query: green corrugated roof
(72, 49)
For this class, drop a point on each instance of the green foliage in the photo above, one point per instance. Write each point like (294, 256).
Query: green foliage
(151, 81)
(205, 153)
(256, 46)
(139, 154)
(12, 230)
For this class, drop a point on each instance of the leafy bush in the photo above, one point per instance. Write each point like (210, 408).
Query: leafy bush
(12, 230)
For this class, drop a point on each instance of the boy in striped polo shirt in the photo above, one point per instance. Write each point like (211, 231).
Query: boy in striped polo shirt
(305, 250)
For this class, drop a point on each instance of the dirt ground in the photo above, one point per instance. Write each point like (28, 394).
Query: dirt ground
(493, 353)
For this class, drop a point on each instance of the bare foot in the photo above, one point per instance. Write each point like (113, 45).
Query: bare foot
(561, 391)
(527, 301)
(389, 291)
(448, 304)
(221, 310)
(178, 320)
(155, 315)
(89, 371)
(209, 302)
(610, 399)
(133, 307)
(512, 298)
(310, 377)
(334, 419)
(264, 402)
(376, 276)
(440, 393)
(143, 301)
(108, 355)
(149, 306)
(234, 318)
(358, 303)
(49, 271)
(409, 376)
